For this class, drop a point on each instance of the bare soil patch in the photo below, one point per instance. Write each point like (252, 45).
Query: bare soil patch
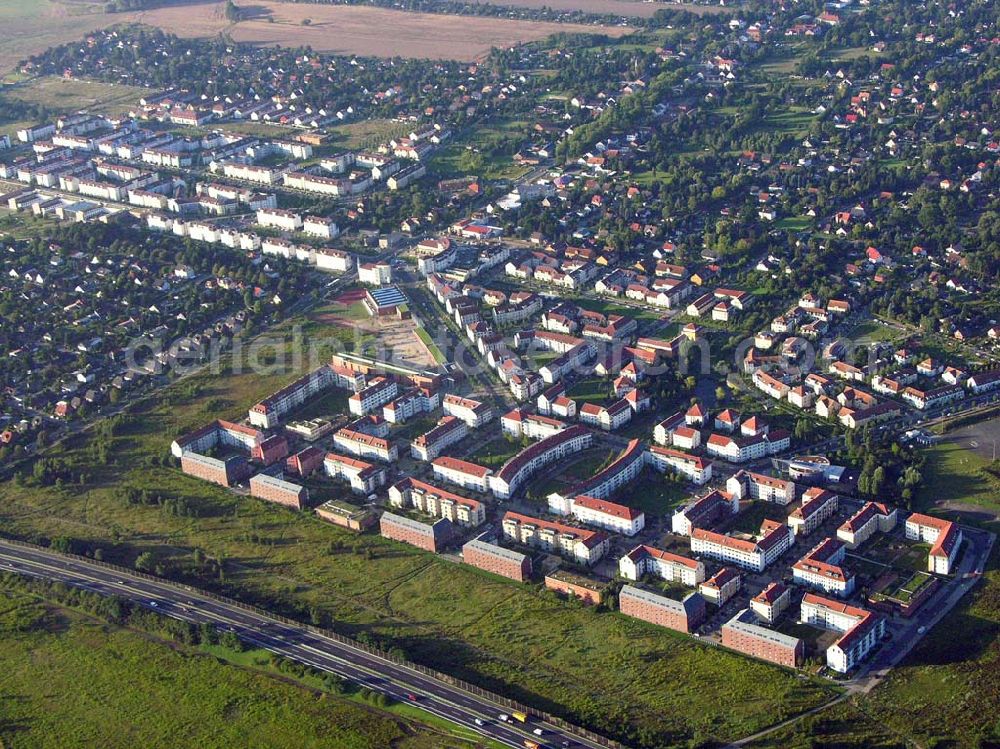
(347, 29)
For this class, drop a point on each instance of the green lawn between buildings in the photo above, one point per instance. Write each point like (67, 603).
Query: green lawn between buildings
(63, 672)
(508, 637)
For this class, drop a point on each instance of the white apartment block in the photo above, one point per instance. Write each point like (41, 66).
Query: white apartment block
(372, 397)
(317, 226)
(600, 513)
(773, 541)
(432, 500)
(375, 274)
(579, 544)
(474, 413)
(519, 423)
(522, 466)
(365, 446)
(817, 505)
(945, 538)
(746, 484)
(462, 473)
(363, 477)
(248, 172)
(334, 260)
(692, 467)
(410, 404)
(871, 519)
(647, 560)
(862, 629)
(770, 602)
(432, 443)
(278, 219)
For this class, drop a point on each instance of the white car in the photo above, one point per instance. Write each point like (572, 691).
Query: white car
(479, 721)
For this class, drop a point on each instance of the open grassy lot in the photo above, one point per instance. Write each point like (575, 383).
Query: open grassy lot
(608, 307)
(871, 331)
(590, 390)
(573, 661)
(62, 674)
(955, 478)
(654, 494)
(494, 453)
(31, 26)
(64, 95)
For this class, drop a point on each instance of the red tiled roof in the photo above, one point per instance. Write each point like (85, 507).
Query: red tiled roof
(607, 508)
(461, 466)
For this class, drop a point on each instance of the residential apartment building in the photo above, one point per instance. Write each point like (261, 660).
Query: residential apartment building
(692, 467)
(432, 443)
(522, 466)
(268, 413)
(519, 423)
(721, 586)
(496, 559)
(743, 634)
(945, 538)
(474, 413)
(770, 602)
(364, 478)
(648, 560)
(746, 484)
(703, 512)
(862, 629)
(365, 446)
(432, 500)
(756, 555)
(663, 432)
(740, 449)
(579, 544)
(463, 473)
(820, 568)
(276, 218)
(410, 404)
(872, 518)
(817, 505)
(606, 418)
(427, 536)
(622, 470)
(279, 491)
(683, 616)
(599, 512)
(374, 396)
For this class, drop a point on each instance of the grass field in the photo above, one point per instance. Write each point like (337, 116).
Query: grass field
(573, 661)
(870, 332)
(496, 452)
(954, 478)
(31, 26)
(63, 675)
(59, 95)
(654, 494)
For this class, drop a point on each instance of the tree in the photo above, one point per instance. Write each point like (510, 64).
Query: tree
(144, 562)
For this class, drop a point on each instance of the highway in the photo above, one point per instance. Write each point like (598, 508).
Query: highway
(296, 642)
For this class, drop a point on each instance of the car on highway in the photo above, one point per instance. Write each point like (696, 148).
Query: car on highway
(154, 604)
(480, 722)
